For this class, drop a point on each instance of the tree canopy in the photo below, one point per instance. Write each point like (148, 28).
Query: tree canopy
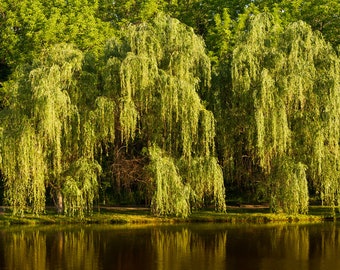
(176, 104)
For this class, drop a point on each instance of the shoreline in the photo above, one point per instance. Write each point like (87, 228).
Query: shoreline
(140, 215)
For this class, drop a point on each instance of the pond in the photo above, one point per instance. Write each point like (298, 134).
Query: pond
(198, 246)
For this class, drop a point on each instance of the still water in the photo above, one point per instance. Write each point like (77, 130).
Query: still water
(199, 246)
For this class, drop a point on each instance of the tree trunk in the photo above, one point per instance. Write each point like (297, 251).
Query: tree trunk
(59, 202)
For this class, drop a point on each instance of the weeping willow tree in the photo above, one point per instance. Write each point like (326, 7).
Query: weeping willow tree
(287, 81)
(158, 69)
(46, 140)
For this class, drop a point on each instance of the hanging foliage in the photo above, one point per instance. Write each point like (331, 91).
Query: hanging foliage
(80, 187)
(202, 191)
(55, 116)
(172, 196)
(24, 168)
(289, 189)
(256, 63)
(99, 129)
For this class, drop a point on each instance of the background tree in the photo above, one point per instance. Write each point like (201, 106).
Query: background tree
(130, 11)
(29, 26)
(322, 15)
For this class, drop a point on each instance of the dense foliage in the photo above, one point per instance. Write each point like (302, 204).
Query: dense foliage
(173, 104)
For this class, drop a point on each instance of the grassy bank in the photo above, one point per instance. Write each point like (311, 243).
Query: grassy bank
(114, 215)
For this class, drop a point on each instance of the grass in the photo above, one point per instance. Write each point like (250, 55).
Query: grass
(114, 215)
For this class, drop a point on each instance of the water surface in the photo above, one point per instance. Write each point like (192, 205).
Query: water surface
(199, 246)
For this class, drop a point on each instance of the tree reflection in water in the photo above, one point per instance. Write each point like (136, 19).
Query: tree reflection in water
(209, 246)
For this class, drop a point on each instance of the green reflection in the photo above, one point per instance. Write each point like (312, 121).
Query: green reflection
(214, 246)
(48, 248)
(25, 251)
(175, 248)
